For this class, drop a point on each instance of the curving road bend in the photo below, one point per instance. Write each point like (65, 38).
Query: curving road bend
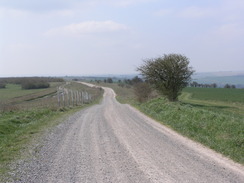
(111, 142)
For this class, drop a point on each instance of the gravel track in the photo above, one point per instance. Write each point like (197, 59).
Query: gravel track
(114, 143)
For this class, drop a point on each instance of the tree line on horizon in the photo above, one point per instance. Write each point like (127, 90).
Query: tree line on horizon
(168, 75)
(213, 85)
(29, 82)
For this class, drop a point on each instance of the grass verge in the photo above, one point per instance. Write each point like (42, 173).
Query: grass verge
(218, 124)
(18, 128)
(220, 131)
(124, 94)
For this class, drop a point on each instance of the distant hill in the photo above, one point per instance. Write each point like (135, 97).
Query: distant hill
(101, 77)
(218, 74)
(221, 78)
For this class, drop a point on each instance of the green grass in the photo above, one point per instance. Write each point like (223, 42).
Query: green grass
(15, 98)
(213, 117)
(18, 128)
(18, 99)
(216, 99)
(124, 94)
(219, 131)
(13, 90)
(217, 94)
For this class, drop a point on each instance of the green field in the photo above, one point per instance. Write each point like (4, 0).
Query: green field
(14, 98)
(211, 116)
(217, 94)
(28, 114)
(230, 101)
(217, 129)
(14, 90)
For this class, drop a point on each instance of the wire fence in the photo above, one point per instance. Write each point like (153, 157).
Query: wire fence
(57, 98)
(68, 97)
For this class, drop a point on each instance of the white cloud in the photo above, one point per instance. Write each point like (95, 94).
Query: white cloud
(163, 12)
(62, 13)
(223, 38)
(88, 27)
(234, 4)
(196, 12)
(233, 10)
(19, 13)
(225, 10)
(229, 32)
(121, 3)
(13, 13)
(129, 2)
(191, 12)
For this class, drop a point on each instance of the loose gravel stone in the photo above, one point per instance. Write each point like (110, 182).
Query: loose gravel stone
(112, 142)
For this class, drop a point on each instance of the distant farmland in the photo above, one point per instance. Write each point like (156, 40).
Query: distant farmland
(217, 94)
(222, 80)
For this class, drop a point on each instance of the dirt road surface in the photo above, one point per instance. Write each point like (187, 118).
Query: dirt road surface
(111, 142)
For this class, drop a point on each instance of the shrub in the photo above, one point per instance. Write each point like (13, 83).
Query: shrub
(109, 80)
(142, 91)
(227, 86)
(121, 85)
(34, 85)
(168, 74)
(2, 85)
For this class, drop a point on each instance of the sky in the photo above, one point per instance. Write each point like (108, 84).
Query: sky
(94, 37)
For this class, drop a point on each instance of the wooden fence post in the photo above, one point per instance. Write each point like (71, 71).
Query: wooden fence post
(58, 97)
(63, 95)
(71, 97)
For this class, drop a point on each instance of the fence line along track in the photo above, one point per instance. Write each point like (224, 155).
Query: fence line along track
(69, 97)
(59, 97)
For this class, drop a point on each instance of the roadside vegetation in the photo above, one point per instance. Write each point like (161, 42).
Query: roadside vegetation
(207, 114)
(26, 113)
(168, 74)
(211, 116)
(214, 127)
